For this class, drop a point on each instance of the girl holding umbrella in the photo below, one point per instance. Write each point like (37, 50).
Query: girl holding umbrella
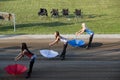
(25, 52)
(58, 38)
(88, 31)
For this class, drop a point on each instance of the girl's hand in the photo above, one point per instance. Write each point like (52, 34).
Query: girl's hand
(76, 33)
(50, 44)
(16, 59)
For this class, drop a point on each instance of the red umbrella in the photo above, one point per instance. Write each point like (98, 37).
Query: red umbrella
(15, 69)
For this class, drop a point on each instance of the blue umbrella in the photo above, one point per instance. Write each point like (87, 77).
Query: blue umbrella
(76, 43)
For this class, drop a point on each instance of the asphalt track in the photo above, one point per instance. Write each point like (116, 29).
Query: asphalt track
(100, 62)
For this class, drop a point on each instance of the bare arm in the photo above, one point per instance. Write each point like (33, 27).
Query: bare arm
(54, 42)
(80, 31)
(20, 55)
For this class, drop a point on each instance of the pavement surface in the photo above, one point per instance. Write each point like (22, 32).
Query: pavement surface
(100, 62)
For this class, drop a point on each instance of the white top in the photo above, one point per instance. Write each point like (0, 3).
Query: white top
(62, 39)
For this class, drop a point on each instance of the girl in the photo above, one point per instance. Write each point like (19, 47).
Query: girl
(62, 39)
(88, 31)
(25, 51)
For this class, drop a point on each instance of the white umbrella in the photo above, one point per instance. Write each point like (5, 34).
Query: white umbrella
(48, 53)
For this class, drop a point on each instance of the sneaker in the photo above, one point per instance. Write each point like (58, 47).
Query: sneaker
(27, 77)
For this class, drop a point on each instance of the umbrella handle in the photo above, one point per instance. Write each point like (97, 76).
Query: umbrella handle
(76, 37)
(15, 62)
(49, 47)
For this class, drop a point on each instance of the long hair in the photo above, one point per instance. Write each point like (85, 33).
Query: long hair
(24, 47)
(57, 34)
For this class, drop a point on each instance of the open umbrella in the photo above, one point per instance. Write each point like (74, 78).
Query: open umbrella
(76, 43)
(15, 69)
(48, 53)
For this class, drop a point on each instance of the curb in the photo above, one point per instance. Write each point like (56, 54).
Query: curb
(51, 36)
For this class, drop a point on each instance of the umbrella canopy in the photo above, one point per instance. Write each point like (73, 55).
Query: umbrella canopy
(48, 53)
(76, 43)
(15, 69)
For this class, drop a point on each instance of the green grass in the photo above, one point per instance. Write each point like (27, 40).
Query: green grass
(102, 16)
